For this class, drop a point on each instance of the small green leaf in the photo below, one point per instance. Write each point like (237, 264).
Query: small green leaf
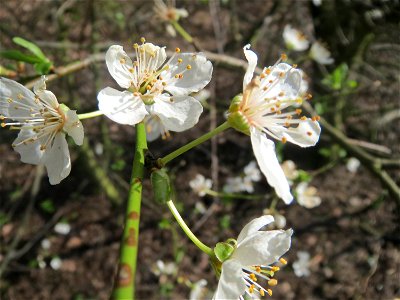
(43, 68)
(19, 56)
(223, 251)
(47, 206)
(31, 47)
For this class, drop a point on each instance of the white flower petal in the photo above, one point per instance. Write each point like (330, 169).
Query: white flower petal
(263, 247)
(179, 115)
(10, 89)
(121, 107)
(30, 151)
(231, 284)
(154, 127)
(73, 127)
(46, 96)
(264, 150)
(252, 60)
(254, 226)
(306, 134)
(193, 80)
(57, 160)
(118, 64)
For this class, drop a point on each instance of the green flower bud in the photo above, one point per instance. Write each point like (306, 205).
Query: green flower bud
(161, 186)
(236, 118)
(224, 250)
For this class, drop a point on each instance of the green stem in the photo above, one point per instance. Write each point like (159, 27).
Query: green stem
(90, 115)
(232, 195)
(182, 31)
(187, 230)
(198, 141)
(124, 287)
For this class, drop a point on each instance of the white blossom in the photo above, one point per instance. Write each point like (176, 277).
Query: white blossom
(43, 124)
(169, 13)
(353, 164)
(62, 228)
(253, 257)
(200, 185)
(320, 54)
(251, 172)
(234, 185)
(155, 88)
(198, 290)
(162, 268)
(307, 195)
(301, 266)
(290, 170)
(295, 39)
(56, 263)
(260, 112)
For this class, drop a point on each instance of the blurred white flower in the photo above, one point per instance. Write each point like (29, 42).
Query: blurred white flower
(320, 54)
(199, 290)
(161, 268)
(43, 124)
(62, 228)
(280, 221)
(353, 164)
(45, 244)
(259, 112)
(169, 13)
(234, 185)
(255, 252)
(251, 172)
(307, 195)
(317, 2)
(290, 170)
(202, 95)
(155, 88)
(56, 263)
(294, 39)
(301, 266)
(200, 185)
(200, 207)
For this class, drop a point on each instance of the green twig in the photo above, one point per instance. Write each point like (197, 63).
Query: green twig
(124, 287)
(90, 115)
(194, 143)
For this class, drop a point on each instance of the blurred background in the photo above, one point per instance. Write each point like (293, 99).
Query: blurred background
(62, 242)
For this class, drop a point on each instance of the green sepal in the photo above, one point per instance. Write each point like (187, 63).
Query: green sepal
(224, 250)
(161, 186)
(236, 118)
(64, 108)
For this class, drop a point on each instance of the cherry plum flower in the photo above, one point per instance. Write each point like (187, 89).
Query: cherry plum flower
(295, 39)
(43, 124)
(321, 54)
(260, 112)
(154, 87)
(251, 262)
(200, 185)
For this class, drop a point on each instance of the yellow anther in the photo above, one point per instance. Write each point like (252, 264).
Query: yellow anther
(309, 133)
(131, 70)
(269, 291)
(122, 60)
(308, 96)
(278, 104)
(177, 50)
(188, 67)
(289, 117)
(278, 112)
(262, 293)
(20, 96)
(262, 75)
(303, 118)
(282, 74)
(9, 100)
(272, 109)
(180, 76)
(171, 100)
(135, 45)
(251, 288)
(142, 40)
(179, 60)
(268, 71)
(283, 56)
(281, 94)
(258, 269)
(294, 65)
(3, 124)
(282, 260)
(148, 87)
(298, 111)
(42, 147)
(299, 101)
(164, 83)
(253, 277)
(287, 124)
(2, 117)
(272, 282)
(176, 76)
(284, 140)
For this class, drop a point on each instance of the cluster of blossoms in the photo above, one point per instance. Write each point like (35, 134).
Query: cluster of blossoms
(244, 183)
(200, 185)
(296, 40)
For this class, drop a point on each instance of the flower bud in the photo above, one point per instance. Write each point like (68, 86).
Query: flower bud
(236, 118)
(161, 186)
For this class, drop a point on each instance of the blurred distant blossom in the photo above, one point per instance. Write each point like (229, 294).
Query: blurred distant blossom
(162, 268)
(290, 170)
(199, 290)
(321, 54)
(200, 185)
(234, 185)
(307, 195)
(252, 172)
(353, 164)
(302, 264)
(317, 2)
(280, 220)
(62, 228)
(56, 263)
(169, 13)
(295, 39)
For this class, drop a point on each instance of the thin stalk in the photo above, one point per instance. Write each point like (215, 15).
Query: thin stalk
(124, 287)
(182, 31)
(192, 144)
(90, 115)
(187, 230)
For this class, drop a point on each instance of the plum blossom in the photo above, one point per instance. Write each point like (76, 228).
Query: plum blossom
(200, 185)
(154, 87)
(251, 261)
(295, 39)
(352, 165)
(43, 124)
(259, 112)
(307, 195)
(169, 13)
(301, 266)
(320, 54)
